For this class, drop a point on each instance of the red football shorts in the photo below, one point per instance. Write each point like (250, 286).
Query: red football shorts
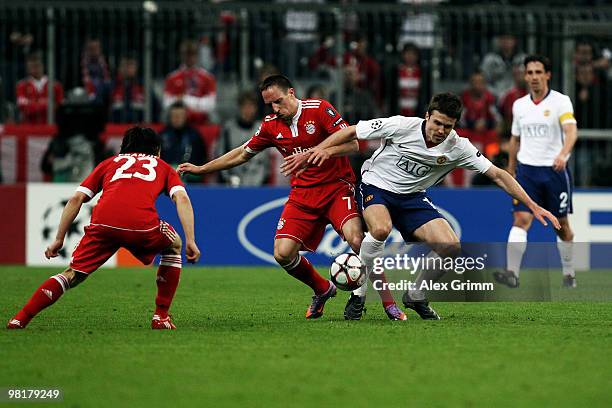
(310, 209)
(100, 242)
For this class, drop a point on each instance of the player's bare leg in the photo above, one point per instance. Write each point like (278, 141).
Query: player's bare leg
(286, 253)
(441, 238)
(47, 294)
(565, 243)
(379, 224)
(168, 277)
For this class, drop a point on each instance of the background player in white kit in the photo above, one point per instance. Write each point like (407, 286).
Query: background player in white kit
(415, 154)
(544, 132)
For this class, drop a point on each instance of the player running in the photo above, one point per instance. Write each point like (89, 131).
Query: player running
(320, 196)
(125, 216)
(544, 132)
(414, 155)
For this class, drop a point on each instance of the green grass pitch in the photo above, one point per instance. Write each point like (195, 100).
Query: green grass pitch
(242, 341)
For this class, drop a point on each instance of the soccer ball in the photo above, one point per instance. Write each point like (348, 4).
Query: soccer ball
(347, 272)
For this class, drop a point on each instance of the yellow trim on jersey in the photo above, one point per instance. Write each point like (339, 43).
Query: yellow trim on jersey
(568, 116)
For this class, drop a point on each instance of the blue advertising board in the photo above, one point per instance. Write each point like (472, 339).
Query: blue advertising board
(236, 226)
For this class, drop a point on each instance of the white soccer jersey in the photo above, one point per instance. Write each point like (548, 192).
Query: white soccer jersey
(540, 127)
(403, 163)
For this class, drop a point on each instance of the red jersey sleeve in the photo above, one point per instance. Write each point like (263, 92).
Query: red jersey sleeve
(92, 185)
(261, 139)
(330, 118)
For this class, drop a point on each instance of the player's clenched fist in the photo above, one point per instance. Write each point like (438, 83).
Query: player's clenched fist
(53, 249)
(192, 252)
(188, 168)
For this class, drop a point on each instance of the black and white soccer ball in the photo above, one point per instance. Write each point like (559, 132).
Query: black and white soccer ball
(347, 272)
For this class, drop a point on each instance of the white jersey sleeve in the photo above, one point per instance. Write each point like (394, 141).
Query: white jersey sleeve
(471, 158)
(566, 111)
(381, 128)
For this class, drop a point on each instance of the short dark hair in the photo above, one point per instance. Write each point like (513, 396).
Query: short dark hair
(177, 105)
(246, 97)
(446, 103)
(538, 58)
(140, 140)
(275, 80)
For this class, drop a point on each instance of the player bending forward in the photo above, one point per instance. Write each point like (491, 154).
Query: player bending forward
(414, 155)
(125, 216)
(320, 196)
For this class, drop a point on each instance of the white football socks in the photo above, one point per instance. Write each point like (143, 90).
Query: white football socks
(566, 250)
(517, 244)
(371, 248)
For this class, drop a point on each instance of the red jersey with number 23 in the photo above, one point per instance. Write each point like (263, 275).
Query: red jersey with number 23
(131, 184)
(314, 121)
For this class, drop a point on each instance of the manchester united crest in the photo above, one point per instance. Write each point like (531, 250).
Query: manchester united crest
(281, 224)
(310, 127)
(441, 160)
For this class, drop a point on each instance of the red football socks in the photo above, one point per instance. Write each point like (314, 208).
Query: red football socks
(303, 270)
(47, 294)
(168, 276)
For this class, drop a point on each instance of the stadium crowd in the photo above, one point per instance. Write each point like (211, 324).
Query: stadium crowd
(189, 98)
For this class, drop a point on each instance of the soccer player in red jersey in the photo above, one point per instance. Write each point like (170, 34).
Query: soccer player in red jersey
(125, 216)
(319, 196)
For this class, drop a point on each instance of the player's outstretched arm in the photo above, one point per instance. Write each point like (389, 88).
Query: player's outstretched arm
(185, 213)
(70, 212)
(230, 159)
(503, 179)
(339, 143)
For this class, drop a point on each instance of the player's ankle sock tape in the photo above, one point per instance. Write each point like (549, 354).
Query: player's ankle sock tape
(171, 260)
(293, 264)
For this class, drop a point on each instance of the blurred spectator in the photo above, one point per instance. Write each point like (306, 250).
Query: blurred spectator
(32, 92)
(359, 105)
(478, 123)
(323, 59)
(316, 91)
(590, 98)
(77, 148)
(193, 85)
(236, 132)
(497, 66)
(96, 76)
(181, 142)
(206, 55)
(479, 114)
(585, 54)
(506, 100)
(367, 68)
(265, 71)
(128, 95)
(358, 102)
(300, 40)
(409, 82)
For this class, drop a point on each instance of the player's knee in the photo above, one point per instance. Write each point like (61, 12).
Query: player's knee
(381, 231)
(284, 254)
(355, 241)
(74, 277)
(176, 246)
(565, 233)
(523, 220)
(448, 249)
